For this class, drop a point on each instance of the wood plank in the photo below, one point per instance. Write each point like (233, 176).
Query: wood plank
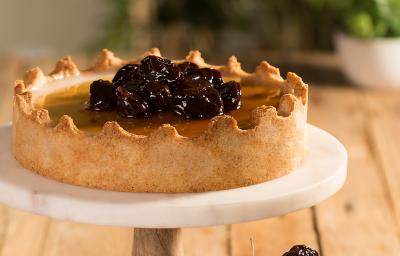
(3, 225)
(274, 236)
(358, 220)
(384, 129)
(24, 233)
(69, 238)
(211, 241)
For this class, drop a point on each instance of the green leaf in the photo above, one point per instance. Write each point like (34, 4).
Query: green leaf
(360, 25)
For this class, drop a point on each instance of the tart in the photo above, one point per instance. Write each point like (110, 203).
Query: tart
(260, 138)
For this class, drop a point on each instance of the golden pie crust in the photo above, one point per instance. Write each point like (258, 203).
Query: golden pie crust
(223, 157)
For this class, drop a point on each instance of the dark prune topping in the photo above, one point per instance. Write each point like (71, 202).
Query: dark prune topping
(187, 67)
(156, 84)
(131, 105)
(125, 74)
(209, 74)
(190, 81)
(197, 102)
(102, 95)
(154, 63)
(161, 70)
(157, 95)
(174, 75)
(134, 86)
(231, 94)
(301, 250)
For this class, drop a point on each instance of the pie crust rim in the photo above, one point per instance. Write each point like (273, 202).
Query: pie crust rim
(223, 157)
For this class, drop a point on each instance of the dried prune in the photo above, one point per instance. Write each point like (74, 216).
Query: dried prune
(134, 86)
(190, 81)
(209, 74)
(197, 102)
(154, 63)
(160, 70)
(102, 95)
(187, 67)
(157, 84)
(301, 250)
(231, 94)
(157, 95)
(125, 74)
(131, 105)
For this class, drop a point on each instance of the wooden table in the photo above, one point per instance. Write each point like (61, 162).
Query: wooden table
(362, 219)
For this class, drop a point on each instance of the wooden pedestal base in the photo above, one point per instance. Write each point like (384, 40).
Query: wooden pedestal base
(156, 242)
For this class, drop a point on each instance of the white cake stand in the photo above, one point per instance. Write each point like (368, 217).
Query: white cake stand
(158, 217)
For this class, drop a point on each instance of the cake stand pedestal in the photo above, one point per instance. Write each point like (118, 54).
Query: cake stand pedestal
(158, 217)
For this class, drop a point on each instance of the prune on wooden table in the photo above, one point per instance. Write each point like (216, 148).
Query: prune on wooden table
(301, 250)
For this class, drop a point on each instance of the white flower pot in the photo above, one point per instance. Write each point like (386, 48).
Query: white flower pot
(371, 63)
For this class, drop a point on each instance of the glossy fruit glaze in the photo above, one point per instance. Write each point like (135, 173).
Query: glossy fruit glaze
(72, 101)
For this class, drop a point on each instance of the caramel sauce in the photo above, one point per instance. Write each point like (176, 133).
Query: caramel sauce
(72, 101)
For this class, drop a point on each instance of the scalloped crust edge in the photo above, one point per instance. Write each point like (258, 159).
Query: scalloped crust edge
(223, 157)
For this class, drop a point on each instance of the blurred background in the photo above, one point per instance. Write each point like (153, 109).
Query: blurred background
(294, 35)
(348, 51)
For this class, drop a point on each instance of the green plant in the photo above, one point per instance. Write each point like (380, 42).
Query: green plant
(368, 18)
(118, 31)
(231, 25)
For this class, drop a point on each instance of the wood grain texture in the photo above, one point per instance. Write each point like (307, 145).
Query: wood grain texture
(274, 236)
(3, 226)
(384, 131)
(210, 241)
(154, 242)
(358, 220)
(24, 233)
(69, 238)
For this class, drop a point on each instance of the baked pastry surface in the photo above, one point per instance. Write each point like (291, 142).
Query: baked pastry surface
(222, 157)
